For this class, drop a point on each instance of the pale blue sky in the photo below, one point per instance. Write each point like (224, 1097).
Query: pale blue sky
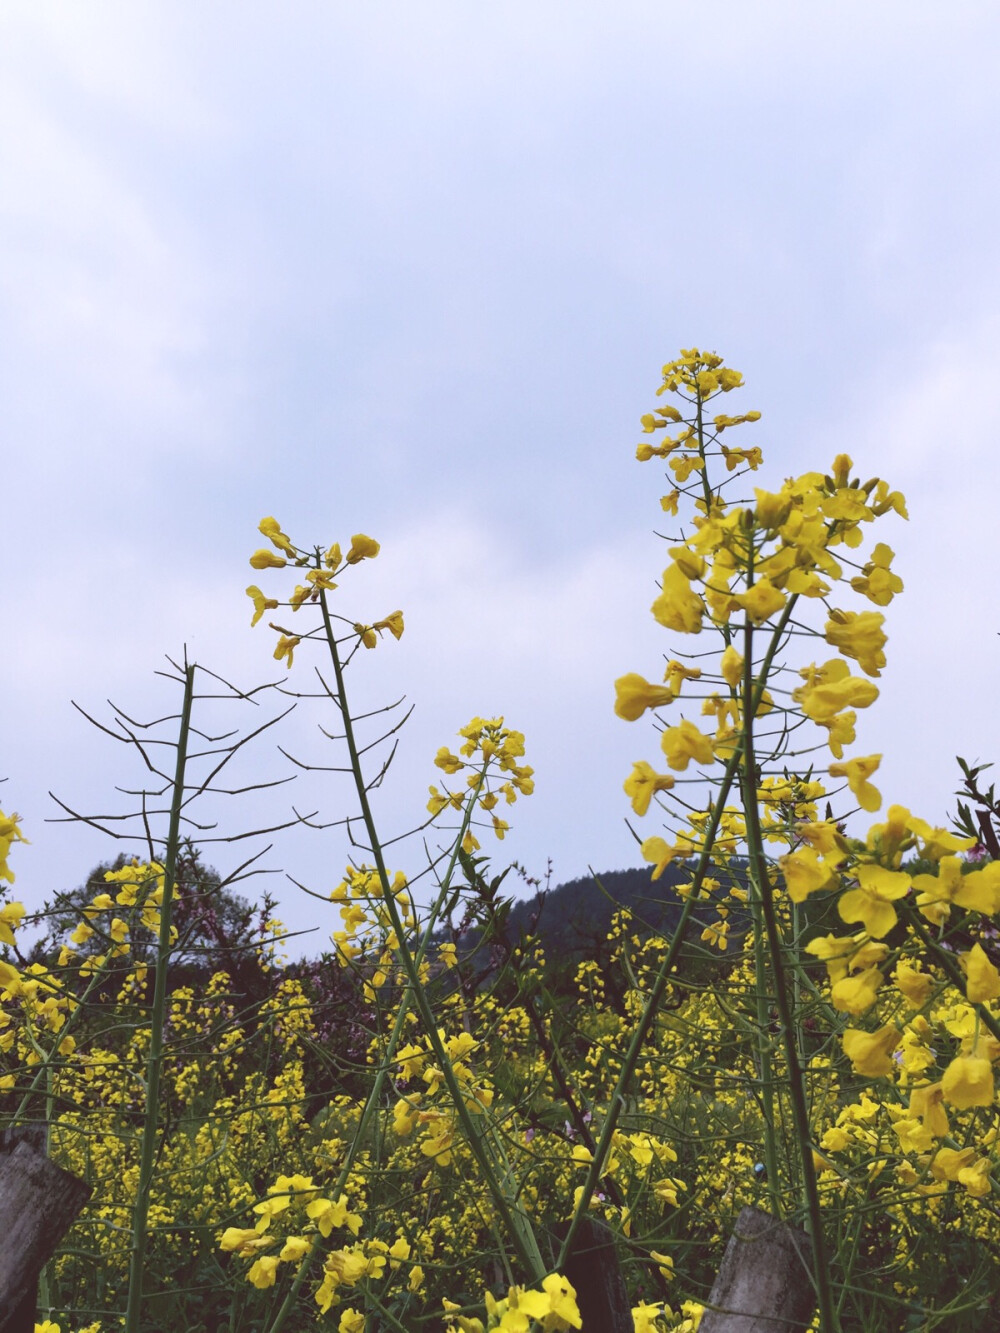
(412, 269)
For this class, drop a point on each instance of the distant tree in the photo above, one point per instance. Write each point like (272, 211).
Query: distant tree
(217, 928)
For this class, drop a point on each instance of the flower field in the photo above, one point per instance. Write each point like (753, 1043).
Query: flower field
(410, 1132)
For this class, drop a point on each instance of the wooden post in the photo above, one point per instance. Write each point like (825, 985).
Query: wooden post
(39, 1202)
(764, 1284)
(595, 1272)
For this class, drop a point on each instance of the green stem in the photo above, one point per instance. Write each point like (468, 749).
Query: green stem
(645, 1023)
(763, 1042)
(154, 1061)
(663, 974)
(752, 690)
(375, 1093)
(512, 1215)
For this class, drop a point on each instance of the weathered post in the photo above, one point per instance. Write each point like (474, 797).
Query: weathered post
(594, 1270)
(764, 1284)
(39, 1202)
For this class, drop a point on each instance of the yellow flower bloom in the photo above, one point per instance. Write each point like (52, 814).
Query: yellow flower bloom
(393, 623)
(858, 634)
(976, 1178)
(260, 603)
(264, 1272)
(677, 607)
(805, 872)
(677, 673)
(835, 1139)
(825, 837)
(270, 528)
(948, 1162)
(685, 742)
(841, 729)
(294, 1248)
(854, 994)
(448, 954)
(328, 1215)
(265, 559)
(9, 834)
(644, 1317)
(831, 689)
(683, 465)
(871, 902)
(870, 1053)
(883, 500)
(362, 548)
(10, 920)
(761, 601)
(968, 1081)
(877, 582)
(926, 1102)
(977, 891)
(772, 510)
(554, 1306)
(659, 853)
(731, 667)
(983, 979)
(915, 986)
(448, 762)
(286, 646)
(321, 580)
(835, 952)
(634, 694)
(399, 1250)
(642, 783)
(857, 772)
(243, 1240)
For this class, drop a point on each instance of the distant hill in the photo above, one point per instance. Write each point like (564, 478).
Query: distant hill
(572, 917)
(572, 921)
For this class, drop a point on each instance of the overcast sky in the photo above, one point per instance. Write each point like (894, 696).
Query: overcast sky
(412, 269)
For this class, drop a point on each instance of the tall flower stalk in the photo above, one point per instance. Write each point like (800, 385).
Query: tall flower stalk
(745, 570)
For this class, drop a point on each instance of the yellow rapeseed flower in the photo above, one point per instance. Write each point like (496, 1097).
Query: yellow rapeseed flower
(362, 548)
(271, 528)
(685, 742)
(857, 772)
(642, 784)
(265, 559)
(982, 978)
(870, 1053)
(634, 694)
(871, 902)
(678, 607)
(968, 1081)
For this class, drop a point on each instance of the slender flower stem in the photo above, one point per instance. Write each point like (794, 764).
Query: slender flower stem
(763, 1041)
(752, 689)
(649, 1012)
(512, 1215)
(154, 1061)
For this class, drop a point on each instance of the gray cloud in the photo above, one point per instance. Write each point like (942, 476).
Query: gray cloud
(412, 270)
